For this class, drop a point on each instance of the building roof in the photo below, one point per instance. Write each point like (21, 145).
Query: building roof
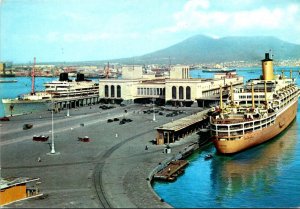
(184, 122)
(9, 182)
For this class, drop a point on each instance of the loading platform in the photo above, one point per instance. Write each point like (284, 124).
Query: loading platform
(172, 131)
(170, 172)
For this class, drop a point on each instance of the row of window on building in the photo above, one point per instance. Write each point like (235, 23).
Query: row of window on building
(151, 91)
(182, 94)
(110, 92)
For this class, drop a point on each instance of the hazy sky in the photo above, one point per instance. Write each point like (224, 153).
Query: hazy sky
(78, 30)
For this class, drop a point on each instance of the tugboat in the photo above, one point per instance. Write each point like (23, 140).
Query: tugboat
(208, 156)
(257, 112)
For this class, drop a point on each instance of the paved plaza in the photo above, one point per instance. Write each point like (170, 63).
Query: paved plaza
(109, 171)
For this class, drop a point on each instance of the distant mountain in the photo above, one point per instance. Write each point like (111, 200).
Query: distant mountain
(203, 49)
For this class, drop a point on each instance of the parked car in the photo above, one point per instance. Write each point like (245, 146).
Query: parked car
(41, 138)
(128, 120)
(4, 119)
(84, 139)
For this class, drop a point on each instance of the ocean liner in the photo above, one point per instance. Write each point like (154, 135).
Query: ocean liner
(62, 93)
(256, 112)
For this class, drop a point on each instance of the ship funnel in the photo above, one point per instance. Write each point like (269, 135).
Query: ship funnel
(267, 68)
(63, 77)
(80, 77)
(267, 56)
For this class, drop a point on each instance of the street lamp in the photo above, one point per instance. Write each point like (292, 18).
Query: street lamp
(52, 152)
(52, 142)
(153, 111)
(68, 112)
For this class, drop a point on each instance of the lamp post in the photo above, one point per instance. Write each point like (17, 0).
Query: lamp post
(68, 112)
(52, 132)
(153, 111)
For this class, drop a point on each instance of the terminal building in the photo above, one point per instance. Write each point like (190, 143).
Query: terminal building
(177, 89)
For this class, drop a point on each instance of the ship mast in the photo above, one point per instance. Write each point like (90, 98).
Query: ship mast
(32, 76)
(107, 70)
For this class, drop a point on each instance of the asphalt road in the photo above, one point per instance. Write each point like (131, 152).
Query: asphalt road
(109, 171)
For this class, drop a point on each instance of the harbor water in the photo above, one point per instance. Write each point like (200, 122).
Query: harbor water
(23, 86)
(263, 176)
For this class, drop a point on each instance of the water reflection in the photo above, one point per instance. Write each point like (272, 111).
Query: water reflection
(253, 171)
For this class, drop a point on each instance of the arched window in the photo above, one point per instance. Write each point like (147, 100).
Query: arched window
(174, 92)
(188, 92)
(112, 91)
(118, 91)
(106, 91)
(180, 92)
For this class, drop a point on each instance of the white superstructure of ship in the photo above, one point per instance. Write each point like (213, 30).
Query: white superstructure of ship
(63, 90)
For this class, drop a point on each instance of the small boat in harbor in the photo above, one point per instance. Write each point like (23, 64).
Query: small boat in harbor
(222, 70)
(208, 156)
(8, 81)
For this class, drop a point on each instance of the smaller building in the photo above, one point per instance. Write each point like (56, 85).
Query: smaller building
(175, 130)
(15, 189)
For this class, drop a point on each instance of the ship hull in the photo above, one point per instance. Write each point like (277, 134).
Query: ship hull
(257, 137)
(24, 107)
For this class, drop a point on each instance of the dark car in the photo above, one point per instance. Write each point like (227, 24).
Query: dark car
(84, 139)
(4, 119)
(160, 113)
(169, 115)
(110, 120)
(41, 138)
(122, 122)
(116, 119)
(128, 120)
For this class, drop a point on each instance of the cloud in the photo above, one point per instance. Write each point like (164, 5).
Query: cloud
(208, 16)
(53, 37)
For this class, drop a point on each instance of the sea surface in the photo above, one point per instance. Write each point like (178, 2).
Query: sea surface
(23, 86)
(264, 176)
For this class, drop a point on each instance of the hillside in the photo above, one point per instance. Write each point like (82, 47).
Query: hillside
(203, 49)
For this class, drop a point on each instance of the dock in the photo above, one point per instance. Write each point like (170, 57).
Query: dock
(171, 171)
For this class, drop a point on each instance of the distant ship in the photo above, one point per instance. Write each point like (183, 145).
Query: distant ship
(61, 92)
(257, 112)
(8, 81)
(222, 70)
(6, 74)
